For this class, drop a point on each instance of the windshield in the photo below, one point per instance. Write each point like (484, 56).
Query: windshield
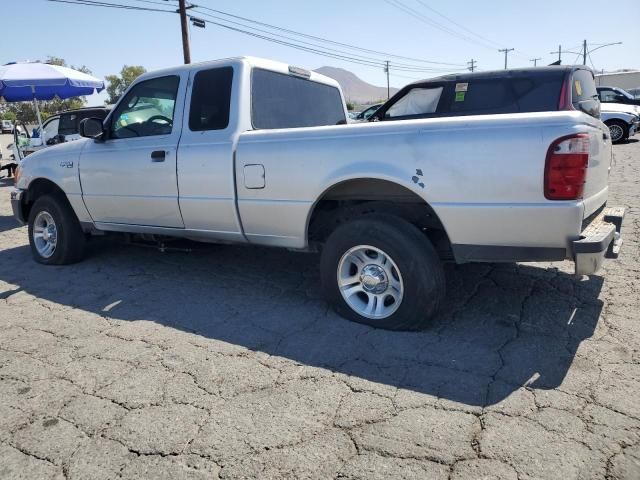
(624, 92)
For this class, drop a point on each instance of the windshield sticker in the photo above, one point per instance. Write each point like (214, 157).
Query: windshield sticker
(578, 87)
(462, 87)
(460, 96)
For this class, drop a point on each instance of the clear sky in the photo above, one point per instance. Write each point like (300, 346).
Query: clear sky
(105, 39)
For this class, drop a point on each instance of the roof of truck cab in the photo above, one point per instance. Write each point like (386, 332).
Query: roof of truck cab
(513, 72)
(254, 62)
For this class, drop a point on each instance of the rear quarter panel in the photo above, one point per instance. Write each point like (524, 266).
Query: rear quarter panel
(483, 175)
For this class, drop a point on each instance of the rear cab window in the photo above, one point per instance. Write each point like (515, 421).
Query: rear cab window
(279, 100)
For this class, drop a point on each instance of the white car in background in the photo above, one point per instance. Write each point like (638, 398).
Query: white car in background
(6, 126)
(622, 119)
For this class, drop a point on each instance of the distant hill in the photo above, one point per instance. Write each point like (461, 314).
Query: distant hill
(356, 90)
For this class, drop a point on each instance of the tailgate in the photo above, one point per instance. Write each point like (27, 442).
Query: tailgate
(595, 189)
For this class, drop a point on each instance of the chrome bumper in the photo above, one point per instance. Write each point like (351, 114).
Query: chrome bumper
(16, 205)
(600, 239)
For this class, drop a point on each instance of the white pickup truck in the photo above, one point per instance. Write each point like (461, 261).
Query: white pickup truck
(253, 151)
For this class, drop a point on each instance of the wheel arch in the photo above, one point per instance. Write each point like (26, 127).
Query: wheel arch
(39, 187)
(352, 197)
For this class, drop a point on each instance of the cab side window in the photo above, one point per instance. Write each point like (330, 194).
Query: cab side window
(211, 99)
(147, 109)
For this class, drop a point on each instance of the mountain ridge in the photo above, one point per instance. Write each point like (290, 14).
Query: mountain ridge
(354, 88)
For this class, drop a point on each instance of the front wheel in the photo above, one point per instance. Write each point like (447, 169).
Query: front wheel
(383, 272)
(55, 235)
(618, 130)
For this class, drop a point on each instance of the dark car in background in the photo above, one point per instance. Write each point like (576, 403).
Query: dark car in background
(59, 128)
(616, 95)
(367, 112)
(541, 89)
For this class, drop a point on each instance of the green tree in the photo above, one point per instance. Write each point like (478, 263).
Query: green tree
(351, 106)
(118, 84)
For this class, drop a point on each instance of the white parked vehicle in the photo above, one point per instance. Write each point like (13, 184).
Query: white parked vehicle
(623, 120)
(6, 126)
(252, 151)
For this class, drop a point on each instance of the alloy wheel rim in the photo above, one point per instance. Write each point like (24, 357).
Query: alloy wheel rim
(370, 282)
(616, 132)
(45, 234)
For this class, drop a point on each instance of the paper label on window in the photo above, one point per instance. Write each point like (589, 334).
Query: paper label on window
(460, 96)
(578, 87)
(462, 87)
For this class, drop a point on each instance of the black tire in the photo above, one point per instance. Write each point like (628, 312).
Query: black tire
(71, 239)
(416, 260)
(618, 124)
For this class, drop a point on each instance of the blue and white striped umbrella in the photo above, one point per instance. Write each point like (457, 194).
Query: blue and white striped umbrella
(21, 82)
(33, 81)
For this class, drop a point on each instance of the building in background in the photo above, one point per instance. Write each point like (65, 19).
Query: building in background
(625, 80)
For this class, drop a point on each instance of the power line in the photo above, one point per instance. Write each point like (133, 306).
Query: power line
(456, 23)
(315, 45)
(91, 3)
(283, 40)
(424, 19)
(310, 49)
(321, 39)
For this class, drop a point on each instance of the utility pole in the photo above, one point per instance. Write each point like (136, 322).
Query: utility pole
(584, 52)
(506, 52)
(535, 61)
(559, 52)
(186, 50)
(472, 64)
(386, 69)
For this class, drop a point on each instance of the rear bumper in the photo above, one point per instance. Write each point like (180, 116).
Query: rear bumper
(16, 205)
(601, 238)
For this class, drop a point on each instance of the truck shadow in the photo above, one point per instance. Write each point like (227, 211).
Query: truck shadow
(502, 326)
(8, 223)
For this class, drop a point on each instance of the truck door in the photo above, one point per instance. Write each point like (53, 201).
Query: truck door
(130, 177)
(205, 153)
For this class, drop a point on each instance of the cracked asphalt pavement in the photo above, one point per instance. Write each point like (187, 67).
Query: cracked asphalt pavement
(224, 362)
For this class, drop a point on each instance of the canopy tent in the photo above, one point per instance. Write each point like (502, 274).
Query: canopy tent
(26, 81)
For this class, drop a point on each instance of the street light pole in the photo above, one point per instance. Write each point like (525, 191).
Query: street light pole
(559, 52)
(472, 65)
(535, 61)
(506, 52)
(386, 69)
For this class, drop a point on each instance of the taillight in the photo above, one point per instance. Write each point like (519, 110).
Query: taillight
(566, 100)
(565, 170)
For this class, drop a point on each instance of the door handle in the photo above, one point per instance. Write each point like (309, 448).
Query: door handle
(157, 156)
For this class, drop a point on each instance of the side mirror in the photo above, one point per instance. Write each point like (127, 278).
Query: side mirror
(590, 107)
(91, 128)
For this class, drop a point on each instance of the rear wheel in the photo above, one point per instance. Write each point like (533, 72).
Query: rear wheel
(618, 130)
(55, 235)
(382, 271)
